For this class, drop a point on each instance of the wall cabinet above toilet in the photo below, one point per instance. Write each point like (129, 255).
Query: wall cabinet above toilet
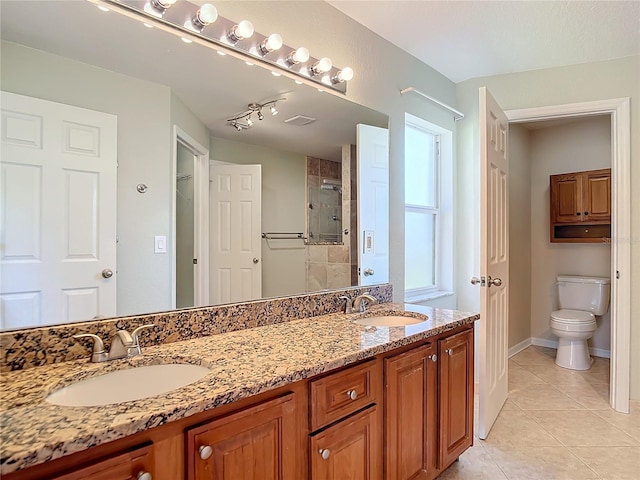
(580, 207)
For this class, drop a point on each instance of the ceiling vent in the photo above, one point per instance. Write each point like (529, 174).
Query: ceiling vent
(299, 120)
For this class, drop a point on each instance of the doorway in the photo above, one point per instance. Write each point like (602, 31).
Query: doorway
(190, 213)
(618, 111)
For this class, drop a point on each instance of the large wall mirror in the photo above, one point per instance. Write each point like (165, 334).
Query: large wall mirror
(188, 208)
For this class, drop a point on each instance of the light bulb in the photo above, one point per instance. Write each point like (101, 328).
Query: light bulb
(270, 44)
(300, 55)
(250, 122)
(206, 15)
(242, 30)
(163, 4)
(321, 66)
(343, 75)
(273, 110)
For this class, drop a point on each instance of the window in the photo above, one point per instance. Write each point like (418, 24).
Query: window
(428, 206)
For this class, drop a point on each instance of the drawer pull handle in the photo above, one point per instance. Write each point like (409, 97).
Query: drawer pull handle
(352, 394)
(449, 351)
(324, 453)
(433, 358)
(205, 452)
(144, 476)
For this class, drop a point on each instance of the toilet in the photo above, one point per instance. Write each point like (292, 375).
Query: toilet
(581, 300)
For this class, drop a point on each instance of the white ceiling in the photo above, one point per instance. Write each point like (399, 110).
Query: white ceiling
(468, 39)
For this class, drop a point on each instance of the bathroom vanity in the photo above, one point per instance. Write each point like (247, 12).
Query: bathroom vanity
(310, 398)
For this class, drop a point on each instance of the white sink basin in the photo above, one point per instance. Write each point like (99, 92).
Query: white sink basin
(389, 321)
(127, 385)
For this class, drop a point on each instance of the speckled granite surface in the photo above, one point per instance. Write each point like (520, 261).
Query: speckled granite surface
(243, 363)
(32, 347)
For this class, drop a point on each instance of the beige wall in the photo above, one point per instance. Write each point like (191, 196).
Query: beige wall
(283, 210)
(555, 86)
(583, 145)
(144, 156)
(519, 235)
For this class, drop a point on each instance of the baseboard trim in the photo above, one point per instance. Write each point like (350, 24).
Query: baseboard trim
(543, 342)
(519, 347)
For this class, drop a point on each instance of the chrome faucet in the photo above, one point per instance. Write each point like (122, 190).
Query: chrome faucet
(361, 301)
(123, 345)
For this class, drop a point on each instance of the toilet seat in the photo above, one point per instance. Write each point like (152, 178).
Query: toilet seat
(573, 316)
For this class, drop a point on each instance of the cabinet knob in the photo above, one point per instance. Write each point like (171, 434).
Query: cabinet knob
(433, 358)
(352, 394)
(449, 351)
(586, 213)
(324, 453)
(205, 452)
(144, 476)
(578, 213)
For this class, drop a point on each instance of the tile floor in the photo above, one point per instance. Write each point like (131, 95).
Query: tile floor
(556, 425)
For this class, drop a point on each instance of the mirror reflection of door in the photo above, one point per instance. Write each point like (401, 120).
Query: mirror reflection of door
(236, 246)
(58, 221)
(185, 222)
(373, 204)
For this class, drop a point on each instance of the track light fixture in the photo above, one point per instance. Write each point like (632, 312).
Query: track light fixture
(243, 120)
(189, 20)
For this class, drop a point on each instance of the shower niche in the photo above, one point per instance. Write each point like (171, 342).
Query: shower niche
(324, 202)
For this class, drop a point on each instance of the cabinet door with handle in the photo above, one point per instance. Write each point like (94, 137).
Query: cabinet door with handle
(566, 198)
(456, 396)
(349, 449)
(257, 442)
(133, 465)
(410, 414)
(597, 198)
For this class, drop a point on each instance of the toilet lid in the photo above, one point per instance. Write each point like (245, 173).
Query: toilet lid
(572, 316)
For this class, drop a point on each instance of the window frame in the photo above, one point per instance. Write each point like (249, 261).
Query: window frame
(443, 256)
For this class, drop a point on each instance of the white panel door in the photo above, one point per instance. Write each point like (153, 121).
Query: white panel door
(373, 204)
(58, 215)
(236, 255)
(494, 261)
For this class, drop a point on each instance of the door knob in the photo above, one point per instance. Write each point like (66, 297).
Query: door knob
(368, 272)
(494, 281)
(476, 280)
(255, 260)
(107, 273)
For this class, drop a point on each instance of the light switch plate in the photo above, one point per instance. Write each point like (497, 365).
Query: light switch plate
(160, 244)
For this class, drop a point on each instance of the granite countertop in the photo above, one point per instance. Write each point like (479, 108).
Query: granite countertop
(243, 363)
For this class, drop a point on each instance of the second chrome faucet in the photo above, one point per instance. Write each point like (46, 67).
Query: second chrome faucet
(123, 345)
(359, 303)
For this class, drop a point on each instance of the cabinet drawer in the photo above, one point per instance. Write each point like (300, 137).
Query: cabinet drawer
(336, 396)
(126, 466)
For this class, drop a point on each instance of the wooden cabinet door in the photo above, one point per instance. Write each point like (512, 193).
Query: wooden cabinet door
(456, 396)
(126, 466)
(258, 442)
(597, 197)
(410, 414)
(566, 198)
(350, 449)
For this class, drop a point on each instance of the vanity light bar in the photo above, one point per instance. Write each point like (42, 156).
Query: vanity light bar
(185, 19)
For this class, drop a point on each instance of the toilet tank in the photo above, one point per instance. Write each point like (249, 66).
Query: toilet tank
(590, 294)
